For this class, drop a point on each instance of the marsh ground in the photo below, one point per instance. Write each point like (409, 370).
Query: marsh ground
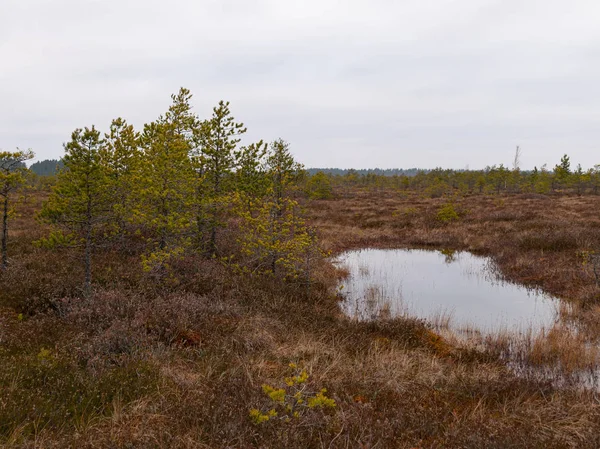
(145, 364)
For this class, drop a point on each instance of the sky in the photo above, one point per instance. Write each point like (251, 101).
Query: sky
(354, 83)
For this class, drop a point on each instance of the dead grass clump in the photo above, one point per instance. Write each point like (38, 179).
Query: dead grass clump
(533, 196)
(370, 223)
(565, 349)
(590, 294)
(549, 240)
(257, 333)
(589, 319)
(513, 215)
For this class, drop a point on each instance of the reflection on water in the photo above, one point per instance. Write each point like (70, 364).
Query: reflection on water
(454, 289)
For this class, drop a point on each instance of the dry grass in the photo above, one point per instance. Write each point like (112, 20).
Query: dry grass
(535, 241)
(143, 365)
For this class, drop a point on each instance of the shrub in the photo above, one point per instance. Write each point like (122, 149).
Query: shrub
(437, 189)
(275, 240)
(36, 283)
(292, 401)
(318, 187)
(447, 214)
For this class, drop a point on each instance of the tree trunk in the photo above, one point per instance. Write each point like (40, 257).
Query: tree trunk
(87, 288)
(214, 212)
(4, 263)
(88, 263)
(213, 238)
(200, 219)
(199, 231)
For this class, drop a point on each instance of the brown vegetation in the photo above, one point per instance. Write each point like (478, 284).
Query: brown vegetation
(537, 240)
(143, 363)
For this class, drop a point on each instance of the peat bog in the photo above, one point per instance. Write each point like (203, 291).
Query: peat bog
(145, 364)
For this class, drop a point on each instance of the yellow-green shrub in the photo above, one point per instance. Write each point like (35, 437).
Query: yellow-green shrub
(292, 401)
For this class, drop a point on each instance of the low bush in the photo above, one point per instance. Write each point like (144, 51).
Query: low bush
(447, 214)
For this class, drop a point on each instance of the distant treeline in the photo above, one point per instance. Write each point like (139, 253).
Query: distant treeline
(325, 182)
(368, 171)
(50, 167)
(438, 182)
(47, 167)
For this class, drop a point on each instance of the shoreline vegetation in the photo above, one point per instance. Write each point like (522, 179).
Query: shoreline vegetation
(187, 300)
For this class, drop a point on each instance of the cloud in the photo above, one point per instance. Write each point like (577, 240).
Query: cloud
(349, 83)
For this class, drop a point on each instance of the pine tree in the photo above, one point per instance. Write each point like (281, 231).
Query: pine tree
(250, 175)
(595, 178)
(562, 171)
(319, 186)
(273, 234)
(283, 172)
(543, 182)
(282, 169)
(498, 177)
(82, 200)
(273, 237)
(218, 139)
(121, 157)
(165, 183)
(12, 170)
(580, 179)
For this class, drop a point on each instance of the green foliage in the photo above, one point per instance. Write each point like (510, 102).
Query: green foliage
(562, 172)
(166, 182)
(250, 176)
(216, 159)
(82, 200)
(158, 261)
(122, 159)
(273, 237)
(405, 216)
(258, 417)
(406, 212)
(48, 389)
(283, 171)
(175, 187)
(496, 179)
(57, 239)
(49, 167)
(218, 139)
(318, 187)
(579, 179)
(437, 189)
(542, 181)
(12, 176)
(449, 255)
(321, 401)
(594, 176)
(293, 401)
(447, 214)
(564, 168)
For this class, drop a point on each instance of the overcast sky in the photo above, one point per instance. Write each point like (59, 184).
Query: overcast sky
(354, 83)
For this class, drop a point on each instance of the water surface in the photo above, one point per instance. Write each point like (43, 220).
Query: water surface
(457, 289)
